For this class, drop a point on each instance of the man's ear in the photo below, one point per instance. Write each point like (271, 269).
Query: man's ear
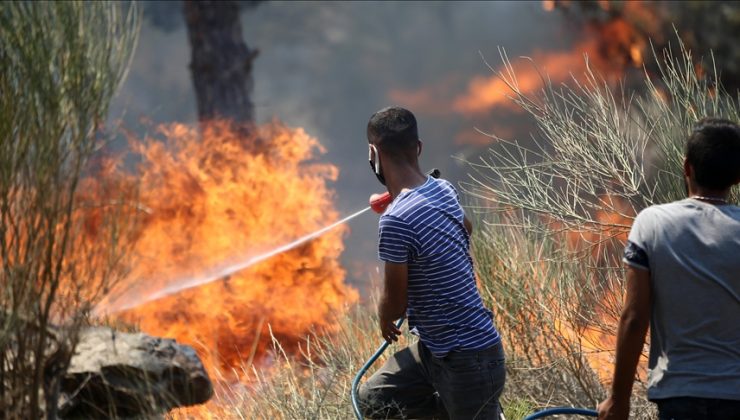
(687, 169)
(420, 146)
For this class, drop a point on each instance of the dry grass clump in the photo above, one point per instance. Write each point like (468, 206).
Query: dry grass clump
(313, 385)
(557, 319)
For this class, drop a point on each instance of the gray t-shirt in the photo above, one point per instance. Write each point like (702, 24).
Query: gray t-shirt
(692, 250)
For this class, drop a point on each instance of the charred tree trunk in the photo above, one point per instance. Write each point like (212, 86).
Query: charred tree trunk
(221, 63)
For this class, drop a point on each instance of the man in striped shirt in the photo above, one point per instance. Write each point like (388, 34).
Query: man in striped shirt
(456, 368)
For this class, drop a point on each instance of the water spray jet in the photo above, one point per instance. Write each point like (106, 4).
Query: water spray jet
(228, 270)
(378, 203)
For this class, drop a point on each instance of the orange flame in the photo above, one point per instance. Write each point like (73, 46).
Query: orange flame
(604, 239)
(486, 93)
(211, 203)
(611, 46)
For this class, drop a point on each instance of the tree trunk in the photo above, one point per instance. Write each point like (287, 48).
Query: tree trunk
(221, 63)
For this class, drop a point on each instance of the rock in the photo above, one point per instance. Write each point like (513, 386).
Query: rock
(115, 374)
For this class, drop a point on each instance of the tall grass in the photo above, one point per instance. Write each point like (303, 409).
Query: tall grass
(61, 245)
(313, 385)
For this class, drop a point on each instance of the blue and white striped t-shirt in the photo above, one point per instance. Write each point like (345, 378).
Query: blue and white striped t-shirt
(423, 228)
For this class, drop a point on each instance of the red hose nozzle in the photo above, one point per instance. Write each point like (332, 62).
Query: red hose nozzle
(378, 202)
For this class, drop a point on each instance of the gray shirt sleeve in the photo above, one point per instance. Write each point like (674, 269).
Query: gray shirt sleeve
(637, 247)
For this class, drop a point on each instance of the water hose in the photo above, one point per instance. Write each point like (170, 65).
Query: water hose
(361, 373)
(562, 410)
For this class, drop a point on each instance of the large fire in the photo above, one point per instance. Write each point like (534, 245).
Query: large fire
(211, 203)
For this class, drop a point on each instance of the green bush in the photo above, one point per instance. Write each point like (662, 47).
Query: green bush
(61, 245)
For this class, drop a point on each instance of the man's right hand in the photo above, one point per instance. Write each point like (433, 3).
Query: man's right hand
(389, 330)
(611, 409)
(392, 304)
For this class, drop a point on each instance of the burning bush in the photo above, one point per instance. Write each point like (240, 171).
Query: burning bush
(212, 205)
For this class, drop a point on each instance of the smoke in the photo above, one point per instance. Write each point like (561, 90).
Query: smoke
(327, 66)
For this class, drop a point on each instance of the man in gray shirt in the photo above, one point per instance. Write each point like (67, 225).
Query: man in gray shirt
(683, 278)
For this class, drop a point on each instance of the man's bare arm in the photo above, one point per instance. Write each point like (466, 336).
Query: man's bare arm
(633, 325)
(393, 301)
(468, 225)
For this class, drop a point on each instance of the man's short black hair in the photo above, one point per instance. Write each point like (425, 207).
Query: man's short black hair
(394, 130)
(713, 150)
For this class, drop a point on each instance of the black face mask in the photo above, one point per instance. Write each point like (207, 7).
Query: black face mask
(375, 165)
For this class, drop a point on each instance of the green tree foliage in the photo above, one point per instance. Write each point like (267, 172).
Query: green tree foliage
(62, 240)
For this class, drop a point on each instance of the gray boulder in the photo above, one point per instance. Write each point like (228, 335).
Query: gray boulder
(115, 374)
